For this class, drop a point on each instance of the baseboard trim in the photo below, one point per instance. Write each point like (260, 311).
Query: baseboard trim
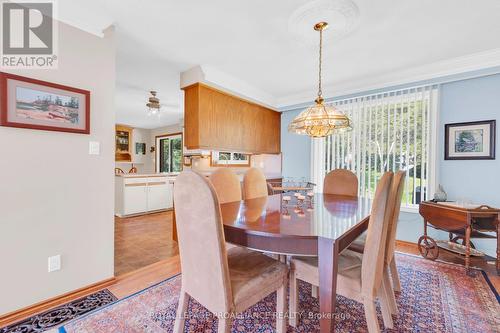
(402, 242)
(12, 317)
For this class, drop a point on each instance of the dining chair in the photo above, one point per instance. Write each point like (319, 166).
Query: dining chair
(390, 267)
(254, 184)
(119, 171)
(359, 277)
(225, 282)
(227, 185)
(341, 182)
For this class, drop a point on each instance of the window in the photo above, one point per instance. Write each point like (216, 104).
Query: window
(391, 131)
(169, 153)
(219, 158)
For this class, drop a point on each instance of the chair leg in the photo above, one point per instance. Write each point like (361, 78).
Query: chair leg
(294, 300)
(225, 324)
(281, 307)
(384, 304)
(314, 291)
(391, 298)
(180, 318)
(395, 275)
(371, 316)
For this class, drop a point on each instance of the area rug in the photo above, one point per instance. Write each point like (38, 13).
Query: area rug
(435, 297)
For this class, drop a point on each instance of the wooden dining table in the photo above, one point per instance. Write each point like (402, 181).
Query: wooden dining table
(323, 227)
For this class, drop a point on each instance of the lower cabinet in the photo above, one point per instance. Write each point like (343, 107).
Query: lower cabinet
(142, 195)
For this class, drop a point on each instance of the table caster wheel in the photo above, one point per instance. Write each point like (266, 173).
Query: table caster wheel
(428, 248)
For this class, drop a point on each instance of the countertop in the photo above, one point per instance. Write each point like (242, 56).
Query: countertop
(174, 174)
(146, 175)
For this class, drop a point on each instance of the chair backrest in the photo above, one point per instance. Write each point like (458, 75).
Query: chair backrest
(394, 206)
(341, 182)
(118, 171)
(254, 184)
(373, 254)
(205, 272)
(133, 170)
(227, 185)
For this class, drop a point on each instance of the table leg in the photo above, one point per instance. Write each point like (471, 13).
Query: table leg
(467, 248)
(498, 245)
(327, 257)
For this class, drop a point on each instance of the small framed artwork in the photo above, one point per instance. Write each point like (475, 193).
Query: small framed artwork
(470, 141)
(140, 148)
(41, 105)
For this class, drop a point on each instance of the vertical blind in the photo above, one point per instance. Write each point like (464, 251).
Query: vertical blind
(391, 131)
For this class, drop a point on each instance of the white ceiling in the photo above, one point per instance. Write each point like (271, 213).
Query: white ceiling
(251, 40)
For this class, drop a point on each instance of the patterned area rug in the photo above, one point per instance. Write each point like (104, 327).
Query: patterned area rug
(436, 297)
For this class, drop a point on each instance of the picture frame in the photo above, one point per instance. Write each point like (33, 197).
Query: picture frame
(41, 105)
(140, 148)
(470, 140)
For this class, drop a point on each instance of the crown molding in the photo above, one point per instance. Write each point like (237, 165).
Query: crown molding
(459, 65)
(222, 81)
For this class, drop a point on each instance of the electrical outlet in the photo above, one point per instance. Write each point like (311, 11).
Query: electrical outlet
(54, 263)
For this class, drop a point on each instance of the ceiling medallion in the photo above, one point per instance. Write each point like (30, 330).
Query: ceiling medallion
(320, 120)
(153, 104)
(343, 13)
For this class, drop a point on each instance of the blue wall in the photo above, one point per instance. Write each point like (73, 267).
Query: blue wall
(296, 149)
(461, 100)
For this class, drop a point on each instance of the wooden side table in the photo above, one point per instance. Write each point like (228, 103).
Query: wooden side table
(462, 224)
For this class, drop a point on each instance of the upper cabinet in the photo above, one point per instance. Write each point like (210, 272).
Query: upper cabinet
(216, 120)
(123, 144)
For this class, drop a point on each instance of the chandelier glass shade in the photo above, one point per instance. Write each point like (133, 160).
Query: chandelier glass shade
(320, 120)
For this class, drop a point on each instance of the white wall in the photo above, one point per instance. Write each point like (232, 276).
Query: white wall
(54, 197)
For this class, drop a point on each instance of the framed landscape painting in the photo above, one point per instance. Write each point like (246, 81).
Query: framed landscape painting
(35, 104)
(470, 141)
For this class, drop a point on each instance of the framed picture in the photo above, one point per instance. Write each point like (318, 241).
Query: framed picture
(41, 105)
(470, 141)
(140, 148)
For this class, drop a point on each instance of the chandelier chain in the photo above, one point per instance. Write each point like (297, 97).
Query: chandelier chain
(320, 92)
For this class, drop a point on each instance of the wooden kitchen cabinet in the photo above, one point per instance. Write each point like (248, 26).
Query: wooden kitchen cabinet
(123, 143)
(216, 120)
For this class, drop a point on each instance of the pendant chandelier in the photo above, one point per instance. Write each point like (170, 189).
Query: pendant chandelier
(320, 120)
(153, 104)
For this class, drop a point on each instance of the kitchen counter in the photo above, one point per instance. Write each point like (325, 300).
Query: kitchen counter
(241, 174)
(146, 175)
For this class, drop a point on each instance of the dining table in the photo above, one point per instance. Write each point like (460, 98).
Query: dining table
(323, 226)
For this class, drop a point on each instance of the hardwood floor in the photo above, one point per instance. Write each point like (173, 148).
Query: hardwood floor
(143, 240)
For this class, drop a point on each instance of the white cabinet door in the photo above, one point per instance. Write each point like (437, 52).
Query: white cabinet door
(135, 198)
(159, 195)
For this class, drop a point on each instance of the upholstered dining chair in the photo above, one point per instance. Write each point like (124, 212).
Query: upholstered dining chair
(341, 182)
(227, 185)
(224, 282)
(254, 184)
(390, 267)
(359, 278)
